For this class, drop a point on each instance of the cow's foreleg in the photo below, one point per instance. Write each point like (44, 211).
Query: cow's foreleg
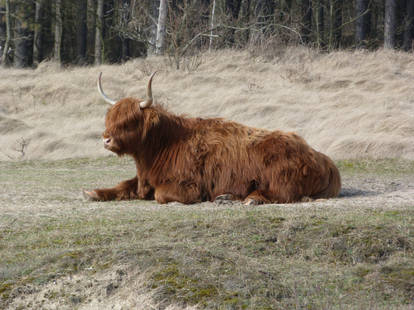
(123, 191)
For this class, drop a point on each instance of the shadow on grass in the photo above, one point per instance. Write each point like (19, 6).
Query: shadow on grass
(350, 192)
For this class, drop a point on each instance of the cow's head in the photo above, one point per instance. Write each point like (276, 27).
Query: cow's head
(127, 121)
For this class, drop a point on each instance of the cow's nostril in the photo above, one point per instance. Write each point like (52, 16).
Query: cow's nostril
(107, 140)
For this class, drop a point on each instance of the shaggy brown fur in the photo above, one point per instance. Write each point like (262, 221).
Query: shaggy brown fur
(193, 159)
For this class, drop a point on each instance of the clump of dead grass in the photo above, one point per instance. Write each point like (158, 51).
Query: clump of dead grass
(346, 104)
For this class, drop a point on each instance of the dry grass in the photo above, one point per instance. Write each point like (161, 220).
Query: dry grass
(354, 252)
(346, 104)
(59, 251)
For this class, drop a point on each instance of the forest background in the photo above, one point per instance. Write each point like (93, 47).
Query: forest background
(106, 31)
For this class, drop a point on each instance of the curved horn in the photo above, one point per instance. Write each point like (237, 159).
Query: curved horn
(147, 103)
(105, 97)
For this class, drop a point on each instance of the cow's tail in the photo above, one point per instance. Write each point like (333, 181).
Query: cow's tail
(334, 184)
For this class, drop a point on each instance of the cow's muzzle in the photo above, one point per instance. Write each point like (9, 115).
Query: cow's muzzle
(107, 142)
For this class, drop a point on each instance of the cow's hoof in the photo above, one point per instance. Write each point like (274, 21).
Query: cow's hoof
(90, 195)
(306, 199)
(252, 202)
(224, 199)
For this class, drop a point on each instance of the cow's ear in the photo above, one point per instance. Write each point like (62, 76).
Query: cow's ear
(151, 120)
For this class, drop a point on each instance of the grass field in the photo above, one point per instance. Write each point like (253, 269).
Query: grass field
(59, 251)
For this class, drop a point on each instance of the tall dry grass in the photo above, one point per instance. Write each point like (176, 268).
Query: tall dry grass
(346, 104)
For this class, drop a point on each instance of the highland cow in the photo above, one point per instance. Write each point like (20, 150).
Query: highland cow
(191, 160)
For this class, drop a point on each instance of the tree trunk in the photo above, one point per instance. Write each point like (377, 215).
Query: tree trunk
(124, 19)
(285, 12)
(232, 10)
(390, 23)
(91, 25)
(38, 29)
(162, 18)
(320, 23)
(58, 32)
(82, 32)
(306, 20)
(154, 6)
(2, 26)
(409, 26)
(338, 23)
(375, 21)
(335, 23)
(263, 12)
(4, 56)
(22, 35)
(213, 12)
(126, 51)
(98, 33)
(362, 23)
(245, 14)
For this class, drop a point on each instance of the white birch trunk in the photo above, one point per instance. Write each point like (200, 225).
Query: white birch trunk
(8, 35)
(212, 25)
(162, 18)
